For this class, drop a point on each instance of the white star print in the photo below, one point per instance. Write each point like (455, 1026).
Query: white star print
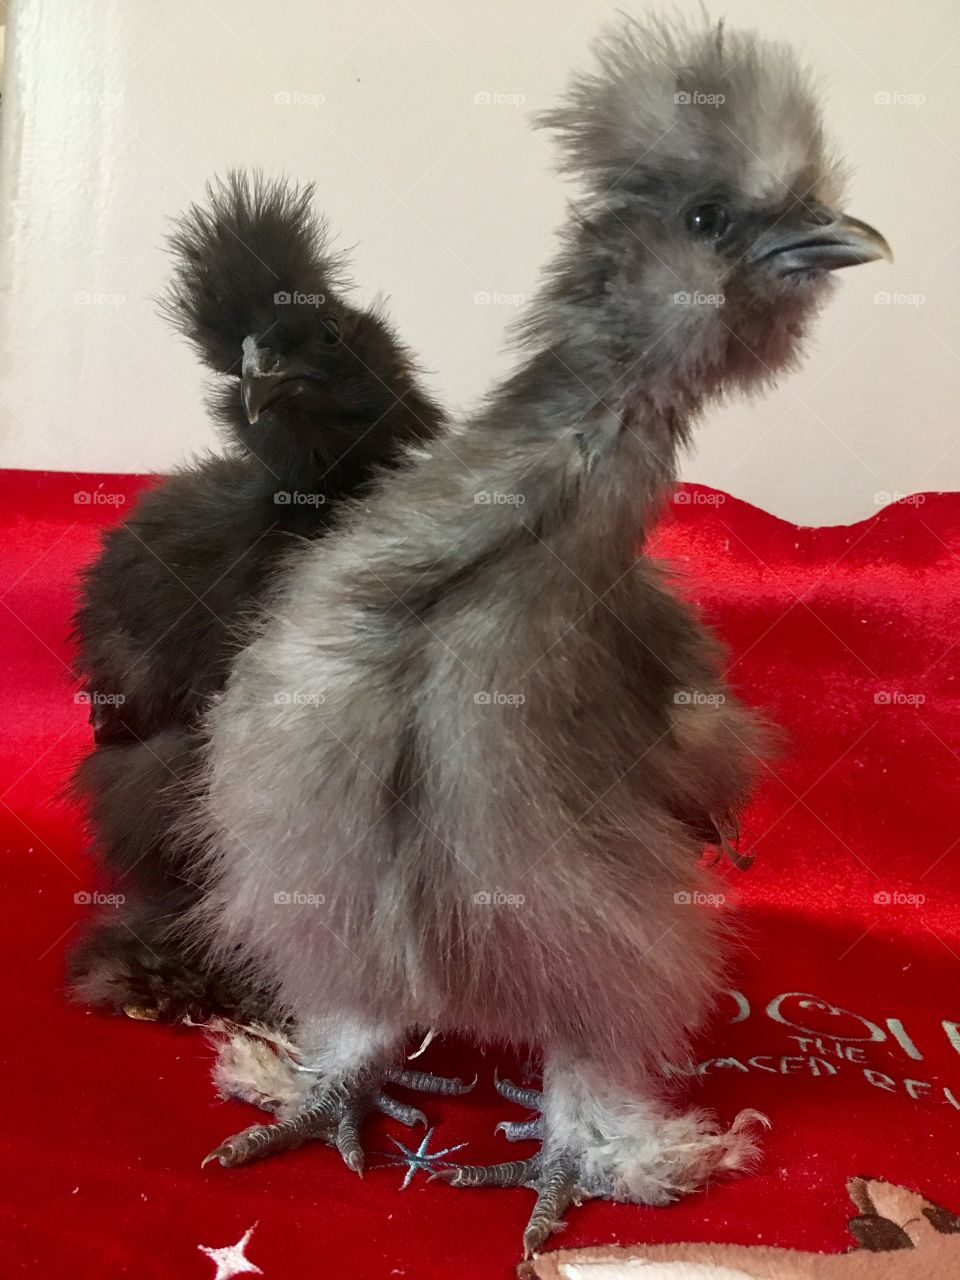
(231, 1260)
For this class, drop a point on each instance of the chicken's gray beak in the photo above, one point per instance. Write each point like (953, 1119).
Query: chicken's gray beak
(819, 245)
(261, 375)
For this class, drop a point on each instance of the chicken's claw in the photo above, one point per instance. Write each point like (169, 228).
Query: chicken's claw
(334, 1113)
(553, 1178)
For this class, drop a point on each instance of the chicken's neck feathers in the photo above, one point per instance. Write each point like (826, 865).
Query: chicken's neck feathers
(549, 460)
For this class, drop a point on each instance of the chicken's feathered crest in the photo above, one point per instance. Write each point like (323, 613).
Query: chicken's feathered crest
(667, 101)
(252, 249)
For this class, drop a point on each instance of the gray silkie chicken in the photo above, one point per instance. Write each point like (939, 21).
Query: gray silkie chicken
(462, 778)
(315, 397)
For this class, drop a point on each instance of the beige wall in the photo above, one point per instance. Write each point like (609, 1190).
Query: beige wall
(115, 113)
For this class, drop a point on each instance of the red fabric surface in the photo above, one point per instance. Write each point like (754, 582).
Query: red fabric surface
(848, 636)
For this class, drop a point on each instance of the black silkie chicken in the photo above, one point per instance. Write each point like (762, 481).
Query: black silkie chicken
(317, 396)
(498, 696)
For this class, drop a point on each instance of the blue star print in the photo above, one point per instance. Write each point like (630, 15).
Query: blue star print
(422, 1158)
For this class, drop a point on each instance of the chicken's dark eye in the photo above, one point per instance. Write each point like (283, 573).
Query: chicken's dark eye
(331, 331)
(708, 221)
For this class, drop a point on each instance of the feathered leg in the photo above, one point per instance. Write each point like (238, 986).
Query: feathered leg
(346, 1076)
(603, 1142)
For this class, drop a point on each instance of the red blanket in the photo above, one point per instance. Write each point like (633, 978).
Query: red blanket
(844, 1026)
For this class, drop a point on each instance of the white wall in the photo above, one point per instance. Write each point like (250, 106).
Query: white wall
(115, 113)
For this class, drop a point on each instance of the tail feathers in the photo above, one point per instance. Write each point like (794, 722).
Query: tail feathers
(241, 261)
(137, 958)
